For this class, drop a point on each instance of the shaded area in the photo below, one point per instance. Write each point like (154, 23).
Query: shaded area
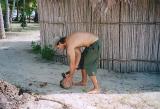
(16, 27)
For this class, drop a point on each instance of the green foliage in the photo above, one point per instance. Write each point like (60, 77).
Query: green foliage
(30, 5)
(47, 53)
(3, 5)
(36, 48)
(23, 20)
(84, 90)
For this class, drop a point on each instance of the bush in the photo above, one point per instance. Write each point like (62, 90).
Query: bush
(36, 48)
(47, 53)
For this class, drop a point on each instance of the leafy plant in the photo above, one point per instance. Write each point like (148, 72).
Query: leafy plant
(36, 48)
(84, 90)
(47, 53)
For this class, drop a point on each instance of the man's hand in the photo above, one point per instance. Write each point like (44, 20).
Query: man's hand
(69, 79)
(67, 82)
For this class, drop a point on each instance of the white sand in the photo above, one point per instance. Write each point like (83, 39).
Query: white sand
(118, 90)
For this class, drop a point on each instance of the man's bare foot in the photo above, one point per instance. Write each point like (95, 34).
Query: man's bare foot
(94, 91)
(80, 83)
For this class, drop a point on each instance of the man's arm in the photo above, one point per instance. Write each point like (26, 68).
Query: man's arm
(77, 56)
(72, 65)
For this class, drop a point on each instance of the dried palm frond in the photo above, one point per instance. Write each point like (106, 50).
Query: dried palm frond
(104, 5)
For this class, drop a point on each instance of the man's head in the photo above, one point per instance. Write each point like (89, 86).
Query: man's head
(61, 44)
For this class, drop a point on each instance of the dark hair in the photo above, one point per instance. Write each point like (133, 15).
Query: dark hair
(61, 40)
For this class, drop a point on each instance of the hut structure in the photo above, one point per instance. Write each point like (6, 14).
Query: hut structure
(129, 31)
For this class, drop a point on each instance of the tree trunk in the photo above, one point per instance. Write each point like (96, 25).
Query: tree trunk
(7, 22)
(13, 7)
(24, 23)
(36, 20)
(29, 18)
(17, 18)
(2, 32)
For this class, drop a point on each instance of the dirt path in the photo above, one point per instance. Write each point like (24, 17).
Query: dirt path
(21, 67)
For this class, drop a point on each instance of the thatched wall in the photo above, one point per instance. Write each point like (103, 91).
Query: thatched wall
(130, 34)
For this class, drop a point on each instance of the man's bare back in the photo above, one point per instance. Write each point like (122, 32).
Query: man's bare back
(80, 39)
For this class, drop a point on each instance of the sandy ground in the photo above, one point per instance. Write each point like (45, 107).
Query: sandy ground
(118, 90)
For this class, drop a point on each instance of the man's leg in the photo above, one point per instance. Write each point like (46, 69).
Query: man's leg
(83, 82)
(95, 84)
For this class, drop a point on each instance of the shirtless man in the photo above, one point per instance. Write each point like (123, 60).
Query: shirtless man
(87, 61)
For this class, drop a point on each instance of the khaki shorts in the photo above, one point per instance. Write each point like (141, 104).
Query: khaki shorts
(90, 58)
